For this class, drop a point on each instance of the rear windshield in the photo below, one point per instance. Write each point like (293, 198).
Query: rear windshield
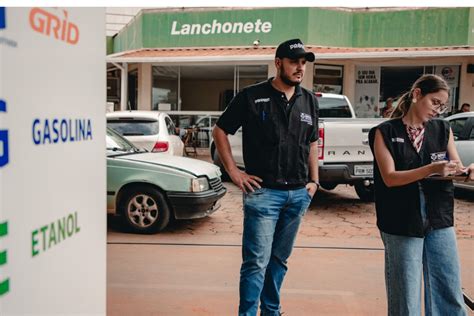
(333, 107)
(135, 127)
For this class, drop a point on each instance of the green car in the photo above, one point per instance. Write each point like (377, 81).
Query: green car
(147, 190)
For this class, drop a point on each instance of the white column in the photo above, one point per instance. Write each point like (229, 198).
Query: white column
(272, 71)
(349, 81)
(308, 76)
(144, 87)
(124, 88)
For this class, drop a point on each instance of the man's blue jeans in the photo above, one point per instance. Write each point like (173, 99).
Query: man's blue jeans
(271, 222)
(436, 257)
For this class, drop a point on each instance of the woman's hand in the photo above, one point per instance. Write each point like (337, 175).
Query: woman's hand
(461, 170)
(470, 170)
(444, 168)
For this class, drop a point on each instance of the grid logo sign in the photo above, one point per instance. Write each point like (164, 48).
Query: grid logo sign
(53, 25)
(3, 138)
(4, 283)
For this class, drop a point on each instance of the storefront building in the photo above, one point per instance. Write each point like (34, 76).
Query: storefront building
(198, 59)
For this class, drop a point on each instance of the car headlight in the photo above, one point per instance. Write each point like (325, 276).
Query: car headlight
(199, 185)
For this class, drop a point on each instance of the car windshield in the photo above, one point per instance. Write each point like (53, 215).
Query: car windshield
(116, 144)
(134, 127)
(333, 107)
(204, 121)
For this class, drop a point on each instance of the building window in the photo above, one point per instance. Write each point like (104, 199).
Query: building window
(205, 88)
(165, 88)
(249, 75)
(328, 78)
(202, 87)
(394, 81)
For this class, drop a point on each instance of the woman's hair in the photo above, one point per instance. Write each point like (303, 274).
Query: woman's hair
(427, 84)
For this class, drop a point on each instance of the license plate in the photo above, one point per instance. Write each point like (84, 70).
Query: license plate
(363, 170)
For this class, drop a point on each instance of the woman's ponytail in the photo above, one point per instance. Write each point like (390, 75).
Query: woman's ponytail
(427, 84)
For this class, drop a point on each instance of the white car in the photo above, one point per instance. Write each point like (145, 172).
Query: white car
(462, 125)
(150, 130)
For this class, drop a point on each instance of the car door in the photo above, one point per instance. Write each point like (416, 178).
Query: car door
(463, 131)
(176, 144)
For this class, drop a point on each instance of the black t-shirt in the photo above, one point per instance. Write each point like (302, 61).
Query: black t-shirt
(276, 132)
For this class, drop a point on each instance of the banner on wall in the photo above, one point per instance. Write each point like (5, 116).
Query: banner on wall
(52, 161)
(367, 91)
(450, 73)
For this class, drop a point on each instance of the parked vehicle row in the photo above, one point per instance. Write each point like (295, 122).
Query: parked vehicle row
(149, 186)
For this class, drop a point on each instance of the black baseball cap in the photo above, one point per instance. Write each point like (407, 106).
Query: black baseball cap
(293, 49)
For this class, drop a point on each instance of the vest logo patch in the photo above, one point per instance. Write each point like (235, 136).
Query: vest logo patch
(262, 100)
(440, 156)
(306, 118)
(398, 140)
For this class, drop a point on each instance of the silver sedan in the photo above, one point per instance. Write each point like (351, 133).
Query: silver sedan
(462, 125)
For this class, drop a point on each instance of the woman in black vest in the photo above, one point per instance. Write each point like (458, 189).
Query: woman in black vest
(415, 214)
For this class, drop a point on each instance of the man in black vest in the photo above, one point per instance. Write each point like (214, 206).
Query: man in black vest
(279, 135)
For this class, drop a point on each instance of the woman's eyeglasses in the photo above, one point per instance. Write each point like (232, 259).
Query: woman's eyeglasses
(439, 107)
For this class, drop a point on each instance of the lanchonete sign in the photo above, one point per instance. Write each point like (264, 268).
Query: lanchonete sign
(217, 27)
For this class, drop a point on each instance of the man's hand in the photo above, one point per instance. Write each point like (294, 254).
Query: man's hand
(245, 181)
(311, 187)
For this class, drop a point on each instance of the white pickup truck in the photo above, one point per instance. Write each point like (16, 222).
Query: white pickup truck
(343, 150)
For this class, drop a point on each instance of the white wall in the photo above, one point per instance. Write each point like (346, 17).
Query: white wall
(48, 82)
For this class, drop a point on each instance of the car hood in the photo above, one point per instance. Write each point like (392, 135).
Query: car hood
(189, 165)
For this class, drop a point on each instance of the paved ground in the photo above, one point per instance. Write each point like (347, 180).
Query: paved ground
(192, 268)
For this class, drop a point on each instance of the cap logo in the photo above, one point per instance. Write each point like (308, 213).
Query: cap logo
(297, 45)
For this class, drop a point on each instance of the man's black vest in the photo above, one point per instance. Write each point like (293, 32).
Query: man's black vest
(276, 133)
(398, 208)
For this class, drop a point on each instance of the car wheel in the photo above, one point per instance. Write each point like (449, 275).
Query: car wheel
(328, 185)
(365, 193)
(217, 161)
(144, 210)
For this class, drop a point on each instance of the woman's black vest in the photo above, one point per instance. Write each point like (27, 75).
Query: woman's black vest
(398, 208)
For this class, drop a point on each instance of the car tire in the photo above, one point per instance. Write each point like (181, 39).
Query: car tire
(144, 210)
(217, 161)
(365, 193)
(328, 185)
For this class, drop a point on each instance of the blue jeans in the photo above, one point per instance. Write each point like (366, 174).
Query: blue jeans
(435, 256)
(271, 222)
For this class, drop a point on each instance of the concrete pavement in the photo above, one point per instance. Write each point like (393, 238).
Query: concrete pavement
(193, 267)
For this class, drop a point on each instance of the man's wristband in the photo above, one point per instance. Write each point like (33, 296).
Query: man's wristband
(315, 182)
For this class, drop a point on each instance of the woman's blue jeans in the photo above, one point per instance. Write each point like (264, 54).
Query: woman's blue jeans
(271, 222)
(436, 258)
